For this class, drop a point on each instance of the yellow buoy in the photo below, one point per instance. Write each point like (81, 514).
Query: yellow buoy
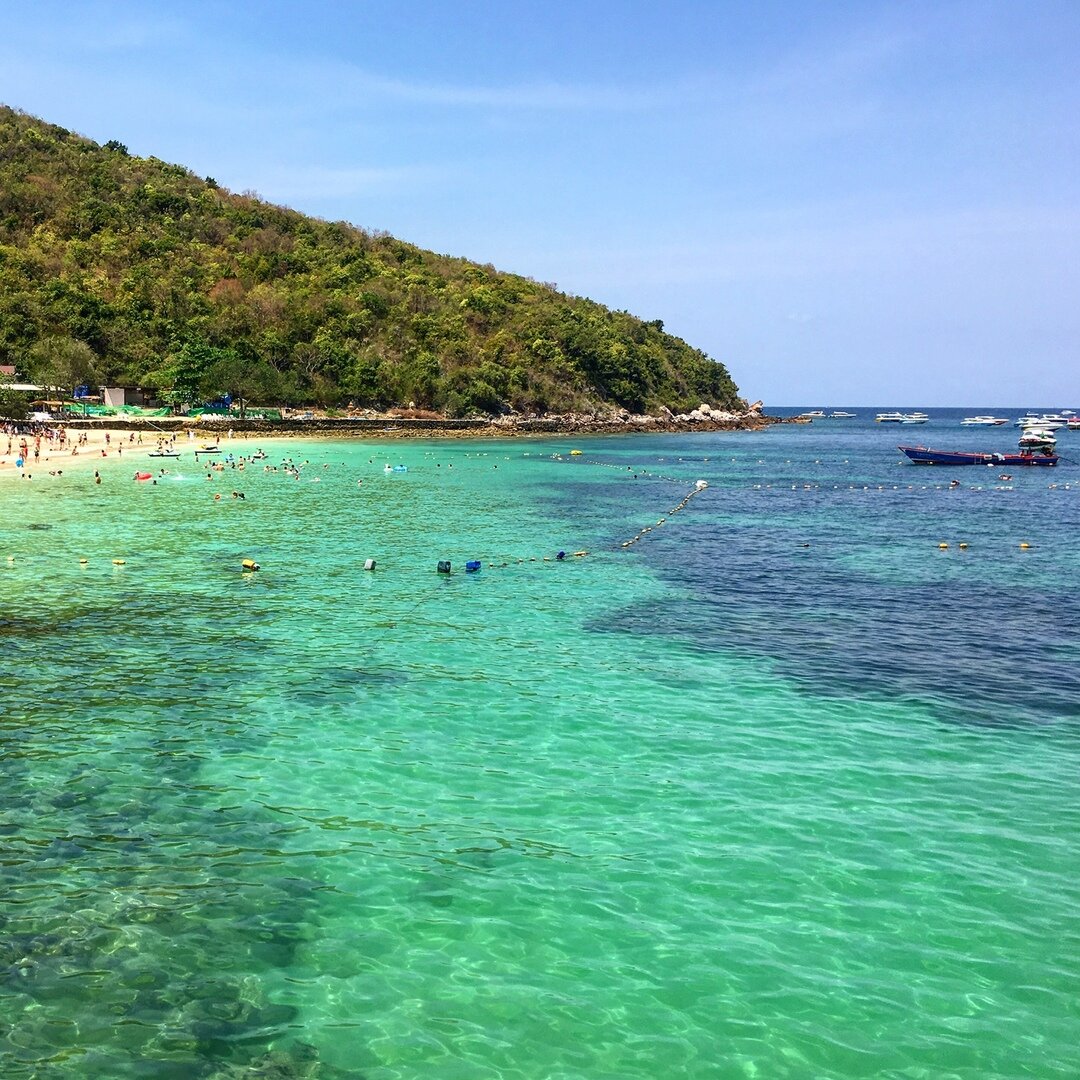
(83, 562)
(943, 546)
(963, 546)
(119, 562)
(250, 564)
(1024, 545)
(575, 453)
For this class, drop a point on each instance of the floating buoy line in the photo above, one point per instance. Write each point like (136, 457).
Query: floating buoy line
(249, 566)
(699, 487)
(637, 471)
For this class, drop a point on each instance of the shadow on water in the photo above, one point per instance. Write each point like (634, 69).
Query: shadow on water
(972, 648)
(149, 913)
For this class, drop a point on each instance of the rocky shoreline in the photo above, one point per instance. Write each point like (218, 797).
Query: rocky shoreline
(396, 425)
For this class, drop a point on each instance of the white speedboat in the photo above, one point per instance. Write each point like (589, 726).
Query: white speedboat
(1037, 437)
(914, 418)
(983, 421)
(889, 418)
(1048, 421)
(814, 414)
(841, 415)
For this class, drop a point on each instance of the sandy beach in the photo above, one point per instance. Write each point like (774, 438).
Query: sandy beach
(134, 441)
(110, 445)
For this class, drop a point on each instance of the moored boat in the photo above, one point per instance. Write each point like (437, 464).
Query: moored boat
(901, 418)
(922, 455)
(1047, 420)
(1037, 437)
(983, 421)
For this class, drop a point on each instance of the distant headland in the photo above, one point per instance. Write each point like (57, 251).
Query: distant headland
(126, 271)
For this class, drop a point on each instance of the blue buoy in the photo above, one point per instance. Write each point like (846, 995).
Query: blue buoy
(472, 566)
(561, 556)
(444, 566)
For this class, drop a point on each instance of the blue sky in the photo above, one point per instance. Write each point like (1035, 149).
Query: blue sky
(847, 203)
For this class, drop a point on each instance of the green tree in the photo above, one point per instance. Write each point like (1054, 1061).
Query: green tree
(62, 363)
(242, 379)
(13, 403)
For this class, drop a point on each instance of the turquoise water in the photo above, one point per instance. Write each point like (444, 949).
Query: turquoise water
(782, 790)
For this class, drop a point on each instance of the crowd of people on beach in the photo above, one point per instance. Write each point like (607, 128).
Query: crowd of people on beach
(30, 443)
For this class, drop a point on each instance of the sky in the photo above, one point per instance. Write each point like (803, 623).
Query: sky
(846, 203)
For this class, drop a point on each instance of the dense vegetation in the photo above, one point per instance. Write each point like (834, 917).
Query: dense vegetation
(128, 270)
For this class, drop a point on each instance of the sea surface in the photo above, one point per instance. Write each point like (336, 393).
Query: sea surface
(782, 789)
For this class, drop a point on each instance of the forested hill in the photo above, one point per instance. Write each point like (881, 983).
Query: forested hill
(121, 269)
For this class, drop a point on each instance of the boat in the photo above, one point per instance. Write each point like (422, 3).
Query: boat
(901, 418)
(1049, 421)
(164, 453)
(983, 421)
(922, 455)
(1037, 437)
(841, 415)
(814, 414)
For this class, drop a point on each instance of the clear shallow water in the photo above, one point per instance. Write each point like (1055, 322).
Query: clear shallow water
(719, 804)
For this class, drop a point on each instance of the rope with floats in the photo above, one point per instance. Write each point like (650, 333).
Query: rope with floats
(698, 488)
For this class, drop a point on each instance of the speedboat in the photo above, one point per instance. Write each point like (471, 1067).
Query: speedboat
(1037, 437)
(164, 453)
(1048, 421)
(889, 418)
(983, 421)
(914, 418)
(815, 414)
(841, 415)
